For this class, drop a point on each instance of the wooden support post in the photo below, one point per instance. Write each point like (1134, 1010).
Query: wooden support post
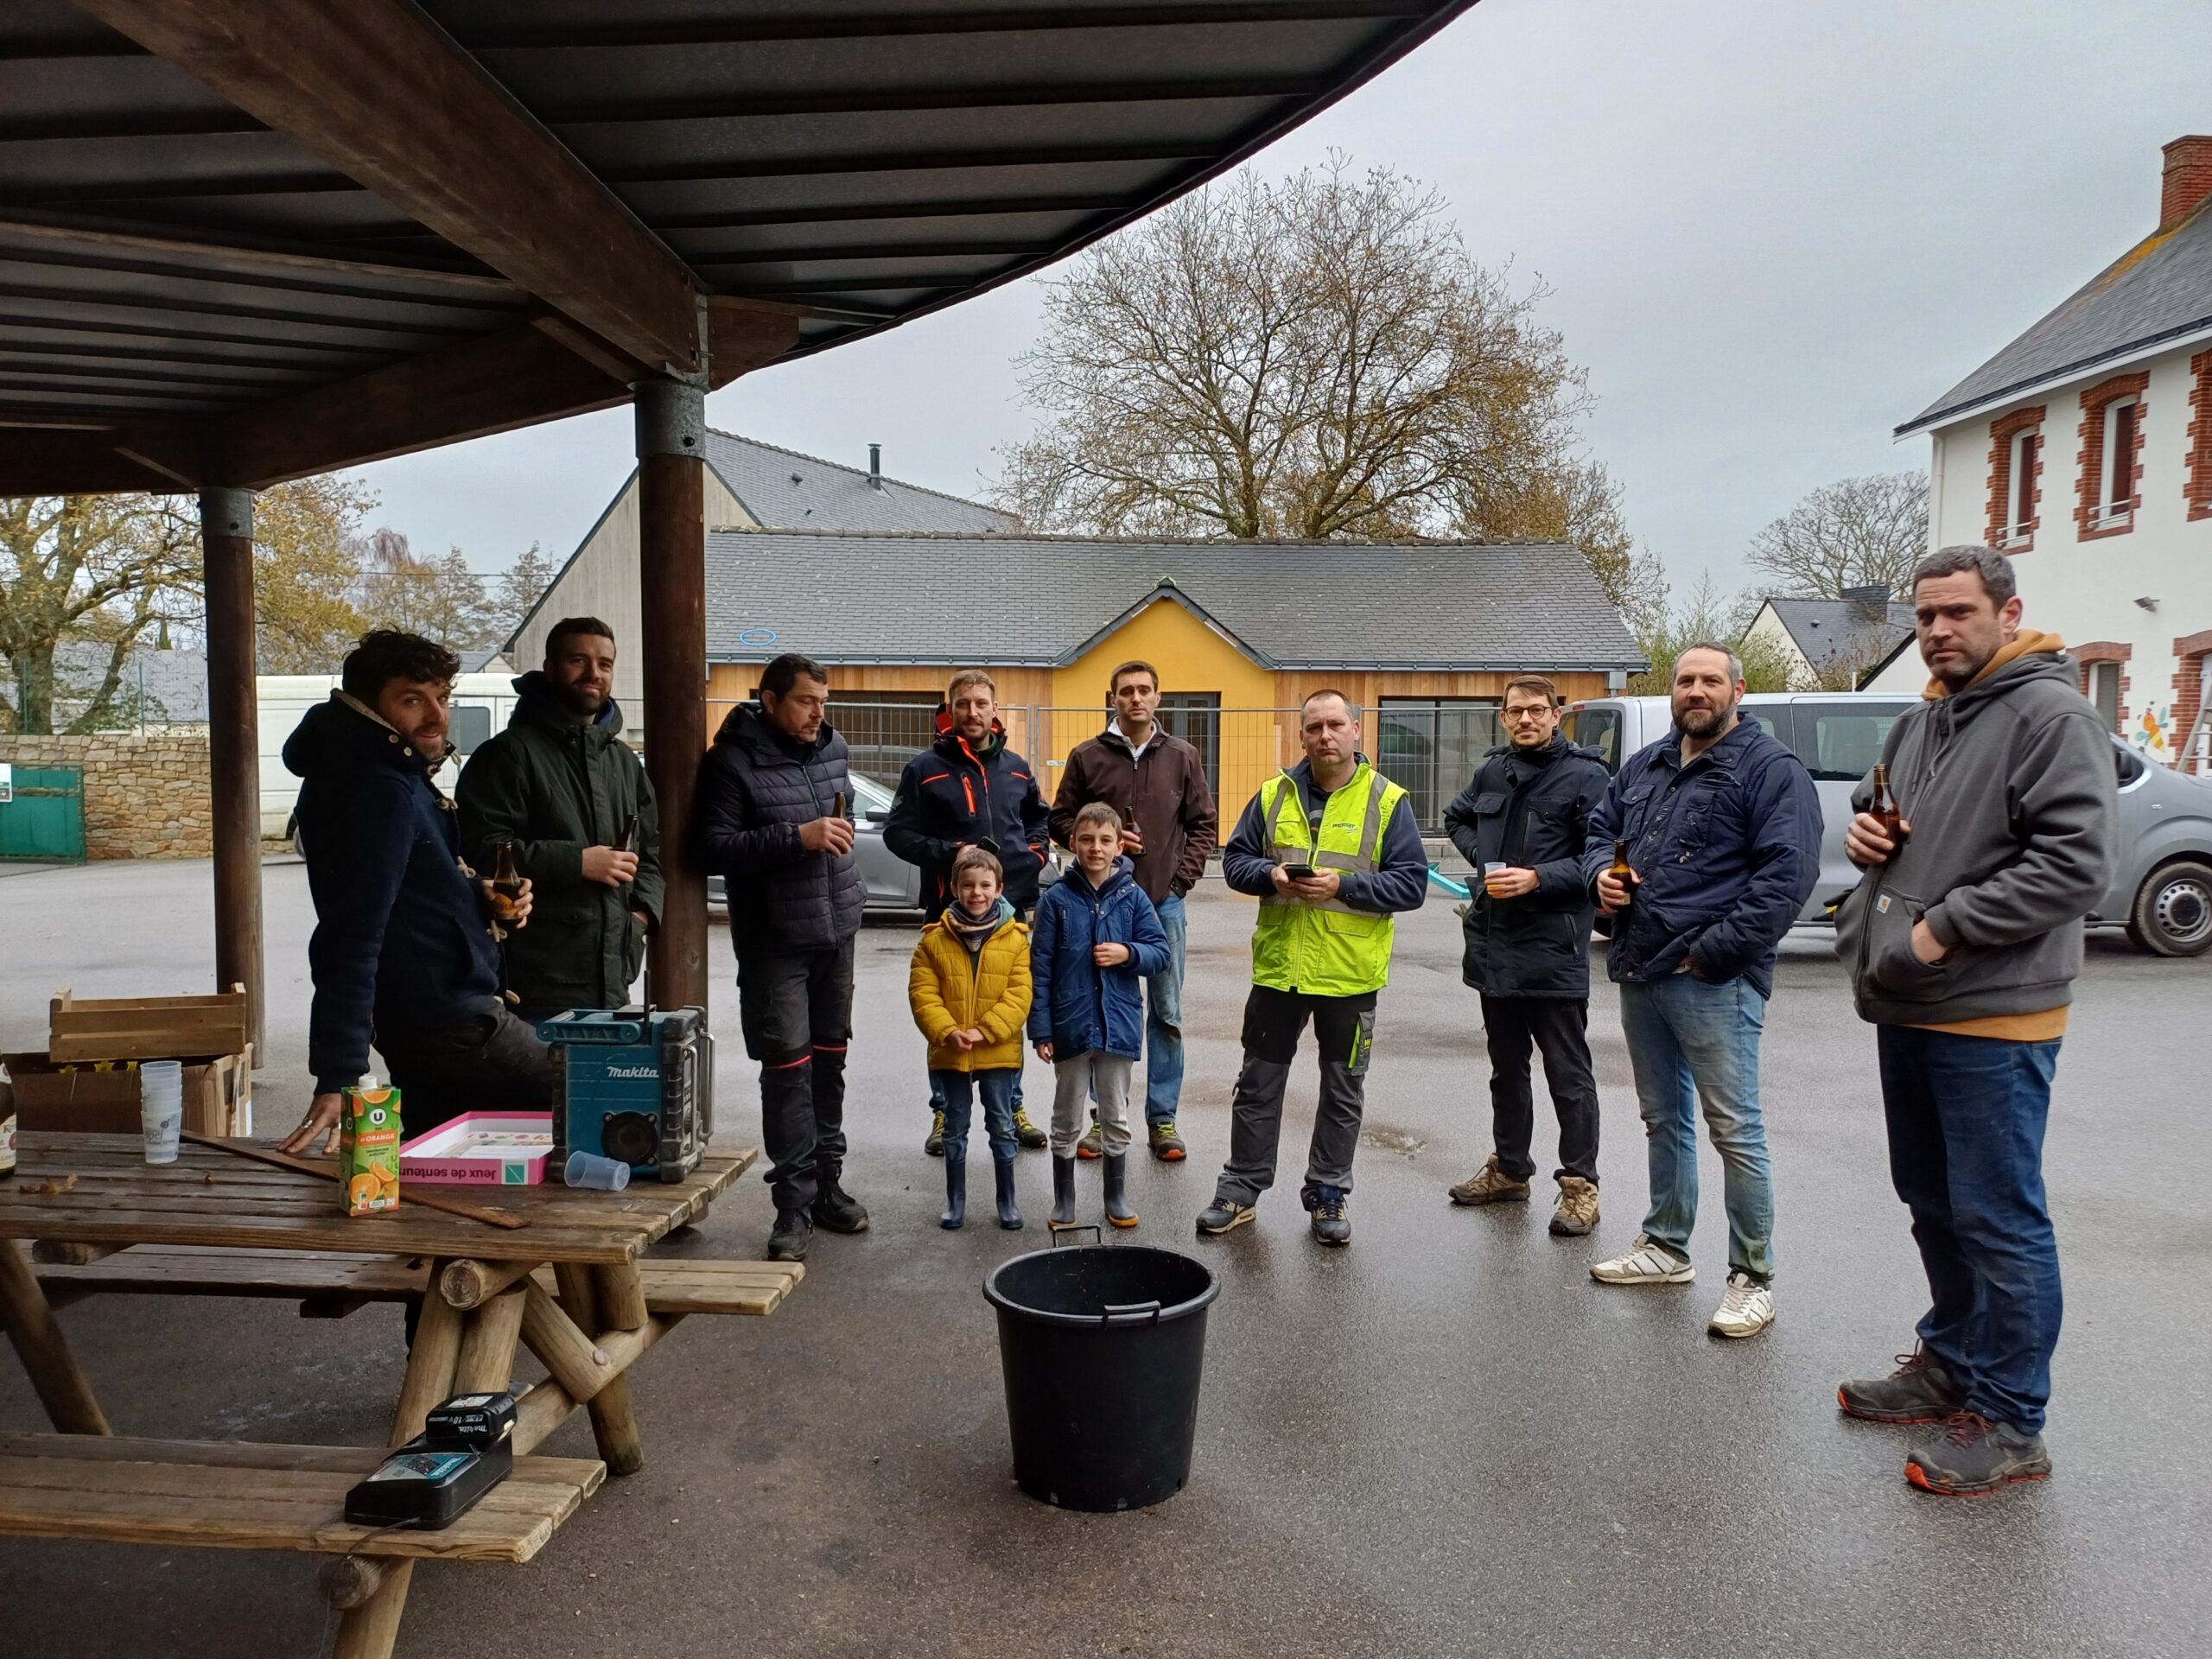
(36, 1333)
(468, 1284)
(487, 1361)
(672, 417)
(547, 1406)
(621, 1295)
(430, 1367)
(233, 747)
(613, 1422)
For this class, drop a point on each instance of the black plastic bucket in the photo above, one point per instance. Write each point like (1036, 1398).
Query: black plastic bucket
(1102, 1348)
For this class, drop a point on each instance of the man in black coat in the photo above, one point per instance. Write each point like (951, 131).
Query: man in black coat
(771, 824)
(561, 787)
(969, 789)
(1522, 823)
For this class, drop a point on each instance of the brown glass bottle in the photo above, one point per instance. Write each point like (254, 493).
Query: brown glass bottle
(628, 842)
(1883, 806)
(506, 883)
(1622, 872)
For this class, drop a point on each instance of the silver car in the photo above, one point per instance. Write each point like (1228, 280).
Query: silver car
(2162, 894)
(892, 883)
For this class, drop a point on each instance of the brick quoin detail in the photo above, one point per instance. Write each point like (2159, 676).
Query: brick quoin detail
(2188, 670)
(2105, 651)
(2198, 484)
(2002, 431)
(2094, 401)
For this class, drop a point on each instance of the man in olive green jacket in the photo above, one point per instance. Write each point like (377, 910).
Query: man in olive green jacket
(561, 785)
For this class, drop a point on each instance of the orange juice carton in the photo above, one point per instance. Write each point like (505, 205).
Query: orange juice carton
(368, 1149)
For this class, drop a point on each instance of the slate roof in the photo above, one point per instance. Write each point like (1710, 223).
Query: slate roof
(1041, 601)
(2159, 290)
(786, 490)
(175, 681)
(1825, 628)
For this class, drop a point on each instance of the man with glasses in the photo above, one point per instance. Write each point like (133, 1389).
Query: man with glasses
(1522, 823)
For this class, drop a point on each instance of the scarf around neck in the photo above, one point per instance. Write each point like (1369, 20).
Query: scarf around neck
(974, 934)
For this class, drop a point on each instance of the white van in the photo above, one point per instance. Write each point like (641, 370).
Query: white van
(481, 703)
(2161, 891)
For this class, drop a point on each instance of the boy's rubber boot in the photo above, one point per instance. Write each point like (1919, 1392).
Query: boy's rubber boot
(1117, 1203)
(1009, 1211)
(1063, 1192)
(956, 1190)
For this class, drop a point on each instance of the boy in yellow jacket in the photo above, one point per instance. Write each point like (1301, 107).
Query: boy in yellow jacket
(970, 990)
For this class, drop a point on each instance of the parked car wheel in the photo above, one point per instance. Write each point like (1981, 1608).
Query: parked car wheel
(2173, 911)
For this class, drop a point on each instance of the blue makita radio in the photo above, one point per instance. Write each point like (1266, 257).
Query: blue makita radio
(637, 1084)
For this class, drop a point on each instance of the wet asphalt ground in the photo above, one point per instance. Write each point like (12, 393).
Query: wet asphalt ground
(1445, 1440)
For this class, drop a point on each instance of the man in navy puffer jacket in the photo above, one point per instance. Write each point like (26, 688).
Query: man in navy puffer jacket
(403, 953)
(771, 826)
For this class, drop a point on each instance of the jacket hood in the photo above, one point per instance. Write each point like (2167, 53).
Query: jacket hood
(748, 726)
(344, 734)
(1124, 870)
(2029, 655)
(536, 699)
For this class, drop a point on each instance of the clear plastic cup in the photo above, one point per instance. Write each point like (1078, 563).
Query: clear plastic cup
(161, 1108)
(1494, 866)
(605, 1174)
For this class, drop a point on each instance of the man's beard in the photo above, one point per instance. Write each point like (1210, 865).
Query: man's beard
(1703, 722)
(580, 702)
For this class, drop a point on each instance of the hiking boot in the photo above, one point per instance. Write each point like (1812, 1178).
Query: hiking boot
(1063, 1193)
(1117, 1203)
(1166, 1143)
(839, 1210)
(1093, 1144)
(935, 1145)
(1578, 1207)
(1976, 1456)
(793, 1233)
(1919, 1391)
(1331, 1225)
(1490, 1184)
(1644, 1263)
(1026, 1132)
(1746, 1308)
(1223, 1215)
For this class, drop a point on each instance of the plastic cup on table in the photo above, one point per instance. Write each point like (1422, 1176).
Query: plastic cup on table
(603, 1174)
(161, 1108)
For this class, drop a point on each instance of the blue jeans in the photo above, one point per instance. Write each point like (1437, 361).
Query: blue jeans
(1965, 1118)
(959, 1089)
(1691, 1043)
(1163, 1020)
(936, 1087)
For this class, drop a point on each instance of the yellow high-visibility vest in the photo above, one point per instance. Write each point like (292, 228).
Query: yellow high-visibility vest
(1327, 949)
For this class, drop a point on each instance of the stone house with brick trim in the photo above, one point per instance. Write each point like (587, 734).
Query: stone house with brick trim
(2084, 449)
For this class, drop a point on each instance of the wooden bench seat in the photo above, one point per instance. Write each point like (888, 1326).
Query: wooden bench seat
(235, 1495)
(329, 1283)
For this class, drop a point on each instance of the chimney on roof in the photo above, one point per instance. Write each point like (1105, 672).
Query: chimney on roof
(1870, 603)
(2187, 181)
(875, 466)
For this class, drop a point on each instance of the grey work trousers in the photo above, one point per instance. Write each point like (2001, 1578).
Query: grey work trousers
(1344, 1027)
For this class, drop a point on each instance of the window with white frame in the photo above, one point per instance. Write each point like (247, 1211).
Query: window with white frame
(2104, 693)
(2026, 445)
(2116, 489)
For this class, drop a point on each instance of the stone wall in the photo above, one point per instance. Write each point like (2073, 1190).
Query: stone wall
(145, 792)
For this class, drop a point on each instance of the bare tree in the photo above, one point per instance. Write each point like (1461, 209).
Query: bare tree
(440, 599)
(1317, 358)
(1666, 629)
(1855, 532)
(519, 586)
(1575, 502)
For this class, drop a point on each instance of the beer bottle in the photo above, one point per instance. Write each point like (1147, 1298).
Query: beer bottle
(506, 883)
(837, 806)
(1884, 806)
(628, 842)
(1622, 872)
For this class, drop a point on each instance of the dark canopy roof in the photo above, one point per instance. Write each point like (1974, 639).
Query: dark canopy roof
(1043, 600)
(247, 239)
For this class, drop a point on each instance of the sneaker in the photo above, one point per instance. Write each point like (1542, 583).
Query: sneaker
(793, 1233)
(1166, 1143)
(1331, 1225)
(1490, 1185)
(1093, 1144)
(838, 1210)
(1578, 1207)
(1225, 1214)
(1746, 1308)
(1026, 1132)
(935, 1145)
(1976, 1456)
(1919, 1391)
(1644, 1263)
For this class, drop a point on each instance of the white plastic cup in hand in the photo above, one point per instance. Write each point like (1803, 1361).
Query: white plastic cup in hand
(1495, 868)
(587, 1169)
(161, 1108)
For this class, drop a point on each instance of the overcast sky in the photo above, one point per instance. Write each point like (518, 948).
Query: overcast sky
(1772, 232)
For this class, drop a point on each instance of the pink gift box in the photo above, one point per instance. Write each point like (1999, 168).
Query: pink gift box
(481, 1149)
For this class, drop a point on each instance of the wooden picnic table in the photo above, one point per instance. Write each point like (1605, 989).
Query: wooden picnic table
(484, 1286)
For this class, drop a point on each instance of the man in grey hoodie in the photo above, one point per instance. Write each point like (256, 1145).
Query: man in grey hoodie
(1963, 937)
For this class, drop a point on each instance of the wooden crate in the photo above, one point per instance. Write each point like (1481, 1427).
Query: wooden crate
(102, 1099)
(146, 1028)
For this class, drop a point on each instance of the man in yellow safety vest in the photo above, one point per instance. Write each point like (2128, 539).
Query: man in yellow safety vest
(1332, 851)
